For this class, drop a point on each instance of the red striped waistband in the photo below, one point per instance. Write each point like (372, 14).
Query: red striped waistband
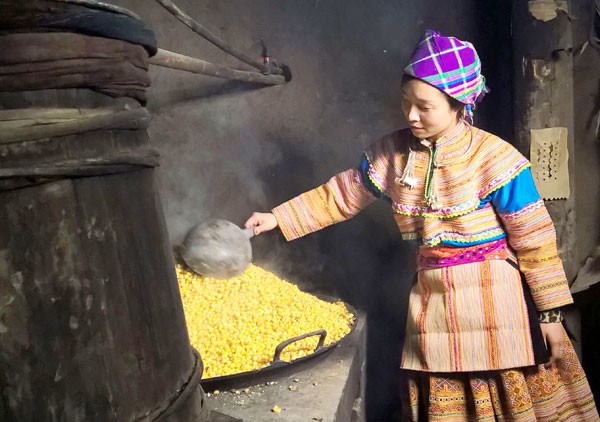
(444, 256)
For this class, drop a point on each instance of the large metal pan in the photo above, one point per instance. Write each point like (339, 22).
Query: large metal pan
(279, 368)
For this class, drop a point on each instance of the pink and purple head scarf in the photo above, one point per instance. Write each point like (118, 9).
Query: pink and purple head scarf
(450, 65)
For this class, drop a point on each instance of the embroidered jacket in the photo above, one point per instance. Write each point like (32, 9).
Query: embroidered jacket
(469, 188)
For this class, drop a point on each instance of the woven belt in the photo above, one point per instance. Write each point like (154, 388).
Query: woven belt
(439, 257)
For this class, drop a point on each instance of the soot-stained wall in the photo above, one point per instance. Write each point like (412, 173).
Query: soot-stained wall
(230, 148)
(586, 78)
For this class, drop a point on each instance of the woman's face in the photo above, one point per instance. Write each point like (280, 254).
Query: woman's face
(427, 110)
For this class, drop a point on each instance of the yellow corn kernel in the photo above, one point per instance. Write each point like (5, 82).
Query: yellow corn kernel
(237, 323)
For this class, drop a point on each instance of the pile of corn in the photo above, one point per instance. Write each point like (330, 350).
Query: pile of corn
(236, 323)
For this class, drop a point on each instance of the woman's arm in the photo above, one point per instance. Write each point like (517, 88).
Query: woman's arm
(531, 234)
(340, 199)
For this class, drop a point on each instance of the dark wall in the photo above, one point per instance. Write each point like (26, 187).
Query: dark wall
(230, 148)
(586, 68)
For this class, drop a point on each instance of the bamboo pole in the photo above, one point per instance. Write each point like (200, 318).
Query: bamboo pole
(215, 40)
(178, 61)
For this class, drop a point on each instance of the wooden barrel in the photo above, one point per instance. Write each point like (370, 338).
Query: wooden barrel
(91, 322)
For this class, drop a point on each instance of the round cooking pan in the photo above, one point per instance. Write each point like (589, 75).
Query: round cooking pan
(279, 368)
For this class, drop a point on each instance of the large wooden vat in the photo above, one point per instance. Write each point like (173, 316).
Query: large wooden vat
(91, 322)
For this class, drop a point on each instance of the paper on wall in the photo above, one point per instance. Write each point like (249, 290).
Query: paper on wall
(549, 156)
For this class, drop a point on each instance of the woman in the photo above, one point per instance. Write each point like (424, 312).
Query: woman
(490, 284)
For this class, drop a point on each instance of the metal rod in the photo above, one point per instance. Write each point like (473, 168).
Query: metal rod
(205, 33)
(178, 61)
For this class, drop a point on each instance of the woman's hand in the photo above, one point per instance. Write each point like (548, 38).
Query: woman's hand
(554, 336)
(262, 222)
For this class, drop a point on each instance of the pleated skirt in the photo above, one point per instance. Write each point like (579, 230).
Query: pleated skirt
(534, 393)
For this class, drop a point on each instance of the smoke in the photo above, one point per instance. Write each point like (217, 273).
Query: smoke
(214, 162)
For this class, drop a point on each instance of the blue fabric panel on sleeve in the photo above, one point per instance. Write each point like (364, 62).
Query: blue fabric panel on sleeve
(364, 169)
(515, 195)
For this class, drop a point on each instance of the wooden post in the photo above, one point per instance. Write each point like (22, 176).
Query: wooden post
(543, 97)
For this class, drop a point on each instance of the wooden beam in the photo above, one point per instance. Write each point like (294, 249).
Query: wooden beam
(178, 61)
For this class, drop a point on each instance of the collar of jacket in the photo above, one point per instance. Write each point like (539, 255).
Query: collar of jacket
(450, 147)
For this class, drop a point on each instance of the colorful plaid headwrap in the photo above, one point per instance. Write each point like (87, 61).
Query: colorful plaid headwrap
(450, 65)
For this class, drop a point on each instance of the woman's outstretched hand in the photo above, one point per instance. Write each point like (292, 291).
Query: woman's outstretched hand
(262, 222)
(554, 336)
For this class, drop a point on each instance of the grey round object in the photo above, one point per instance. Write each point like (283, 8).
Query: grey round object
(217, 248)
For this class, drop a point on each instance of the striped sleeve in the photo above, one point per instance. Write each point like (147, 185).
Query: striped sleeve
(363, 168)
(532, 235)
(340, 199)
